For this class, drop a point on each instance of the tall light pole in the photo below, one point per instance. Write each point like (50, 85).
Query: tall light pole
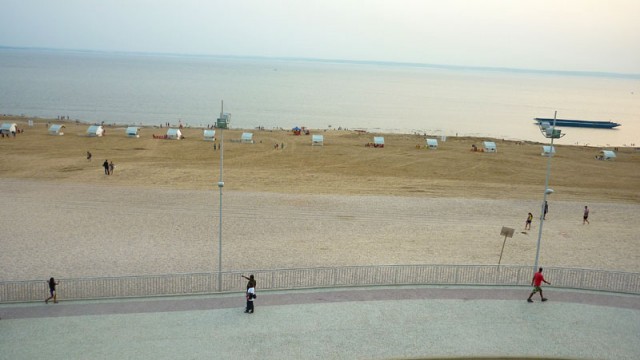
(222, 123)
(550, 132)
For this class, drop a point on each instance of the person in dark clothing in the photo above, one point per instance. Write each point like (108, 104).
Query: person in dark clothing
(105, 164)
(252, 281)
(52, 291)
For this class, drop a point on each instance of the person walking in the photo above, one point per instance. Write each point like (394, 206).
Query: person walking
(52, 291)
(89, 155)
(527, 224)
(111, 167)
(105, 164)
(251, 295)
(585, 216)
(536, 282)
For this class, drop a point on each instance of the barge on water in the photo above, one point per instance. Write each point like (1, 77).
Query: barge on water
(579, 123)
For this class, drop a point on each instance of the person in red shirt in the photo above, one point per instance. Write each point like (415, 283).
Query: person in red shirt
(537, 280)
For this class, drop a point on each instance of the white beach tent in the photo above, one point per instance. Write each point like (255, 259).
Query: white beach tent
(56, 129)
(548, 150)
(209, 135)
(490, 146)
(174, 134)
(133, 131)
(8, 128)
(378, 141)
(247, 138)
(607, 155)
(432, 143)
(95, 130)
(317, 140)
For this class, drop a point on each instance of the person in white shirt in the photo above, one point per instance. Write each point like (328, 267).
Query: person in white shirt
(251, 294)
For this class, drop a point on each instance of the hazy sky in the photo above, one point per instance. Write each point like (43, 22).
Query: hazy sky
(578, 35)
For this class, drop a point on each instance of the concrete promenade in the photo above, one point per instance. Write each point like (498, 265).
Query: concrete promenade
(344, 323)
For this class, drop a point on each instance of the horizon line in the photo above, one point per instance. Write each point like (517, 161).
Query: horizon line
(345, 61)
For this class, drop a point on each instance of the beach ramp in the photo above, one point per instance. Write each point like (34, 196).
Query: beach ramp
(56, 129)
(8, 128)
(317, 140)
(174, 134)
(132, 132)
(95, 130)
(378, 141)
(209, 135)
(432, 144)
(606, 155)
(548, 150)
(246, 138)
(489, 146)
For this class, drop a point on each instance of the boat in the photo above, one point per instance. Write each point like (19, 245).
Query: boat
(579, 123)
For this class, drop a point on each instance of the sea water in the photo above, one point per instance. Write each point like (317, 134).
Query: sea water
(155, 89)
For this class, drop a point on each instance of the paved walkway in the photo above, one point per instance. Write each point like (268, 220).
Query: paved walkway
(354, 323)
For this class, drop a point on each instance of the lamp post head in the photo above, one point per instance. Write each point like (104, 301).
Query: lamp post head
(220, 184)
(548, 191)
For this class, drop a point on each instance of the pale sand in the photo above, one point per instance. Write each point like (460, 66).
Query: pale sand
(78, 230)
(336, 205)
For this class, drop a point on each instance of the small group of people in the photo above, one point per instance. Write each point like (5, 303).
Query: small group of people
(527, 224)
(250, 294)
(108, 167)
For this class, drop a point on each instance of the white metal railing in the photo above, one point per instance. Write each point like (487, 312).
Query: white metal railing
(323, 277)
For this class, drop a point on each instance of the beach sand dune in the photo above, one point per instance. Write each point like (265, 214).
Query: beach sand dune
(336, 205)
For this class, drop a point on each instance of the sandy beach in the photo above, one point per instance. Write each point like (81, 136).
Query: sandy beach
(302, 206)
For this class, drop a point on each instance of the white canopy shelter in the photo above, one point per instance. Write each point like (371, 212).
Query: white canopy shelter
(607, 155)
(378, 141)
(56, 129)
(247, 138)
(95, 130)
(432, 143)
(548, 150)
(133, 131)
(8, 128)
(174, 134)
(209, 135)
(317, 140)
(490, 146)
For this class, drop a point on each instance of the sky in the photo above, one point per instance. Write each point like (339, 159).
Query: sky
(563, 35)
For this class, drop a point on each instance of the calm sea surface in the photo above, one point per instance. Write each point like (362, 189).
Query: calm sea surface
(155, 89)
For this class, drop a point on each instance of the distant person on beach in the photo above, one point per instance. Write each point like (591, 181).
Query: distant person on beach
(89, 155)
(52, 291)
(252, 281)
(527, 224)
(585, 216)
(546, 209)
(536, 282)
(105, 164)
(111, 167)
